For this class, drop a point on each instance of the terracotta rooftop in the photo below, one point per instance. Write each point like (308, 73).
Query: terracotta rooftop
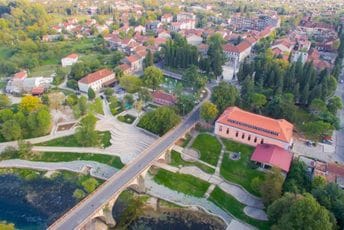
(20, 75)
(272, 155)
(279, 129)
(164, 96)
(241, 47)
(73, 56)
(92, 77)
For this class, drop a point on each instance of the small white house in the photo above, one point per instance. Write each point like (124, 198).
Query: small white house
(97, 80)
(69, 60)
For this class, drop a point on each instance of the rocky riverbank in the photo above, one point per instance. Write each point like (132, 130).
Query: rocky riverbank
(157, 214)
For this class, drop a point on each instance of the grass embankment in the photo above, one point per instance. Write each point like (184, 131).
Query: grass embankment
(234, 207)
(183, 183)
(70, 141)
(176, 160)
(209, 148)
(240, 171)
(113, 161)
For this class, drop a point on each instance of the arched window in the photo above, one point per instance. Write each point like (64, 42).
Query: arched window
(249, 137)
(243, 136)
(237, 134)
(255, 140)
(262, 141)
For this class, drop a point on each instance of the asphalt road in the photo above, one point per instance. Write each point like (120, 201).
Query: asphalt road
(120, 180)
(339, 154)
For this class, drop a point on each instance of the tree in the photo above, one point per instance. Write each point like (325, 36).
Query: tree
(11, 130)
(193, 79)
(56, 100)
(317, 106)
(299, 212)
(185, 104)
(334, 104)
(91, 94)
(271, 188)
(116, 57)
(108, 92)
(314, 130)
(160, 120)
(224, 95)
(30, 104)
(258, 101)
(4, 101)
(144, 94)
(331, 196)
(152, 77)
(85, 134)
(130, 83)
(297, 180)
(208, 111)
(149, 59)
(90, 184)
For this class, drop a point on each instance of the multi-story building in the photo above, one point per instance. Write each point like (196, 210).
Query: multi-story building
(253, 129)
(97, 80)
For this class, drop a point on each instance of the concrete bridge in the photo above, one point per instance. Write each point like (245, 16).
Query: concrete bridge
(99, 204)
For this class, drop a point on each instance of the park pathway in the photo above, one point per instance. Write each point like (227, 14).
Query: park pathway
(98, 170)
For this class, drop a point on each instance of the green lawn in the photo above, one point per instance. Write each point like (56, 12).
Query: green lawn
(240, 171)
(209, 148)
(96, 106)
(183, 183)
(70, 141)
(113, 161)
(177, 160)
(233, 206)
(43, 71)
(129, 119)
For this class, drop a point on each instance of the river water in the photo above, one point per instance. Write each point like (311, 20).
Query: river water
(34, 204)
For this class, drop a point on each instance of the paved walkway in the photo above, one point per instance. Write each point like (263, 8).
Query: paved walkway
(98, 170)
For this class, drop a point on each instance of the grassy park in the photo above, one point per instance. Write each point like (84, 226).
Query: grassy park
(234, 207)
(239, 171)
(183, 183)
(208, 147)
(176, 160)
(70, 141)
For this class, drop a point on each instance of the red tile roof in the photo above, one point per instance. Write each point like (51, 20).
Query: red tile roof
(244, 45)
(20, 75)
(92, 77)
(37, 90)
(164, 96)
(279, 129)
(272, 155)
(73, 56)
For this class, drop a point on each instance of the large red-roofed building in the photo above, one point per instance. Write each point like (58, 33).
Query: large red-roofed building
(253, 129)
(272, 156)
(97, 80)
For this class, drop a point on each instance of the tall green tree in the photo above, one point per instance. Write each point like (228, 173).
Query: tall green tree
(299, 212)
(86, 134)
(224, 95)
(271, 188)
(208, 111)
(153, 77)
(91, 94)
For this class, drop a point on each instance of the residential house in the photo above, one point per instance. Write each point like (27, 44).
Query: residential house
(97, 80)
(153, 26)
(253, 129)
(167, 18)
(163, 98)
(135, 62)
(236, 54)
(185, 16)
(194, 39)
(69, 60)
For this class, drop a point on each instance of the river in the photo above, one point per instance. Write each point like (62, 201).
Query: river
(34, 203)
